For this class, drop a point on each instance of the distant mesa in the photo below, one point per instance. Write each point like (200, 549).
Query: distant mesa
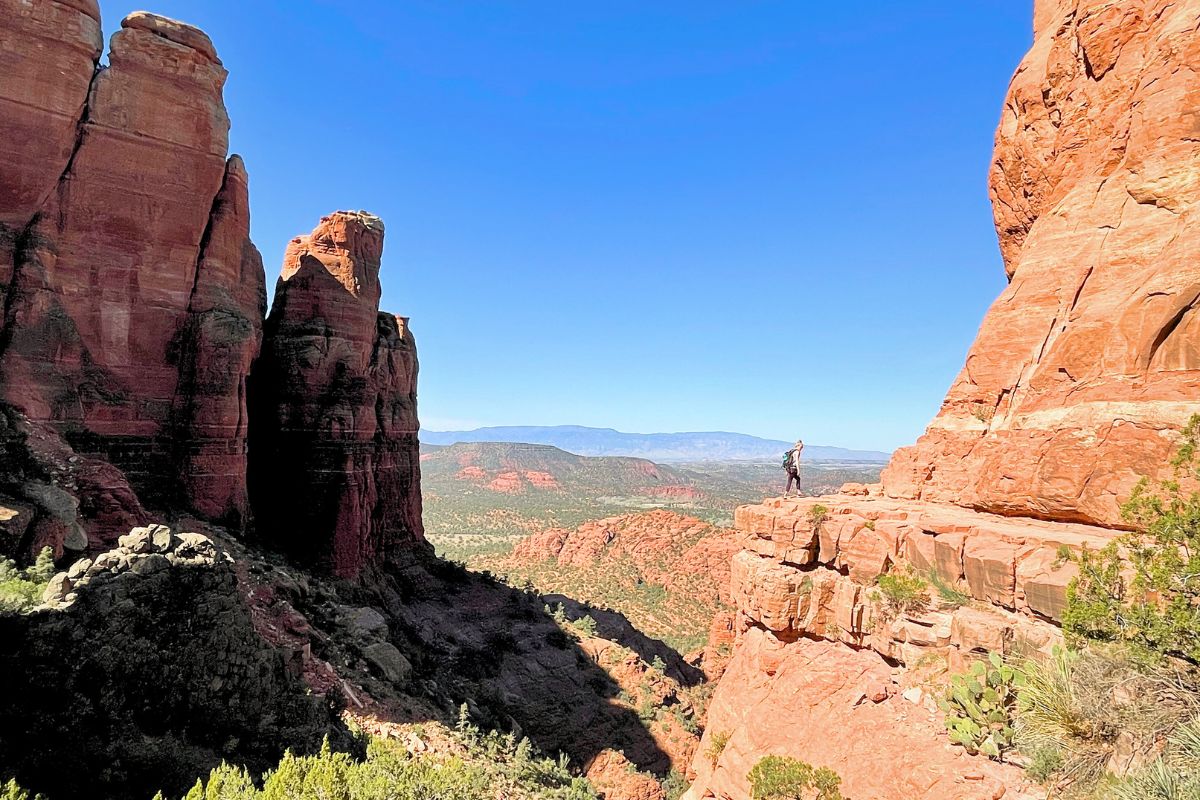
(699, 446)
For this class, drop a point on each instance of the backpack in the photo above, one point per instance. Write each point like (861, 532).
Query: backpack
(787, 461)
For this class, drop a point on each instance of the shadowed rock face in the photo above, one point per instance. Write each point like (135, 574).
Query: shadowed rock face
(1089, 359)
(133, 305)
(135, 302)
(334, 420)
(144, 671)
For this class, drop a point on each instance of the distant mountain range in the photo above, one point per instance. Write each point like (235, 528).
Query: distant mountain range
(706, 446)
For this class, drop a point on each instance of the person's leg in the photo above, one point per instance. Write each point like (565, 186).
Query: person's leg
(788, 490)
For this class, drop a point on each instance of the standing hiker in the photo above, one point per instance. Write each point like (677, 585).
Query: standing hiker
(791, 463)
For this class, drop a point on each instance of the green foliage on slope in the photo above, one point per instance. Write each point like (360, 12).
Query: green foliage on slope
(784, 778)
(21, 590)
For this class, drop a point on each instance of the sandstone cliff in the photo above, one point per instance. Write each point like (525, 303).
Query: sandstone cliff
(1083, 373)
(133, 296)
(1087, 362)
(134, 303)
(336, 471)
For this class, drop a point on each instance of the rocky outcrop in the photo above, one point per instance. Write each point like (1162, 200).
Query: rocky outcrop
(1087, 363)
(336, 472)
(1083, 373)
(134, 298)
(836, 707)
(216, 348)
(668, 572)
(142, 671)
(51, 497)
(858, 676)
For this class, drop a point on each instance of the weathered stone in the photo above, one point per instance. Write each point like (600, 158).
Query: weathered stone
(163, 655)
(138, 540)
(389, 661)
(58, 588)
(194, 546)
(48, 54)
(991, 570)
(366, 621)
(150, 564)
(334, 417)
(1086, 367)
(132, 323)
(801, 699)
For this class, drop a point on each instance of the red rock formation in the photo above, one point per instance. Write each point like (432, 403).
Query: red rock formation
(815, 639)
(1084, 370)
(507, 483)
(673, 492)
(1087, 363)
(217, 347)
(335, 471)
(542, 480)
(814, 698)
(48, 55)
(135, 302)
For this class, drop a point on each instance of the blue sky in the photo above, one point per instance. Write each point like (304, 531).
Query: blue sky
(766, 217)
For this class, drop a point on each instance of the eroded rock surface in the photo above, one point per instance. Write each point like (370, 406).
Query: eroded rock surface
(48, 55)
(336, 458)
(1088, 362)
(825, 670)
(133, 303)
(813, 700)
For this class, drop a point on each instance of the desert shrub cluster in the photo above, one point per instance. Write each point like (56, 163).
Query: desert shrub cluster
(1115, 715)
(784, 778)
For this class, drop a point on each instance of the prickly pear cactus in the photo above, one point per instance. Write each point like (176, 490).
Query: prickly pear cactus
(979, 707)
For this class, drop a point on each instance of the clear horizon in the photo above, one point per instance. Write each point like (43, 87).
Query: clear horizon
(758, 218)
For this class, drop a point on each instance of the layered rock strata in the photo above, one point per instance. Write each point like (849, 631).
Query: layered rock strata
(1088, 362)
(48, 55)
(134, 298)
(336, 472)
(857, 676)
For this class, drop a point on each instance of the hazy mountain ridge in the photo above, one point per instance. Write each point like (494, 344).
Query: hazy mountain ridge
(694, 446)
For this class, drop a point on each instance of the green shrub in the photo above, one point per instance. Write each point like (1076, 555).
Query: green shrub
(904, 592)
(1044, 764)
(674, 785)
(586, 626)
(390, 773)
(980, 707)
(22, 590)
(1157, 608)
(11, 791)
(817, 515)
(716, 746)
(43, 568)
(1076, 706)
(784, 778)
(951, 596)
